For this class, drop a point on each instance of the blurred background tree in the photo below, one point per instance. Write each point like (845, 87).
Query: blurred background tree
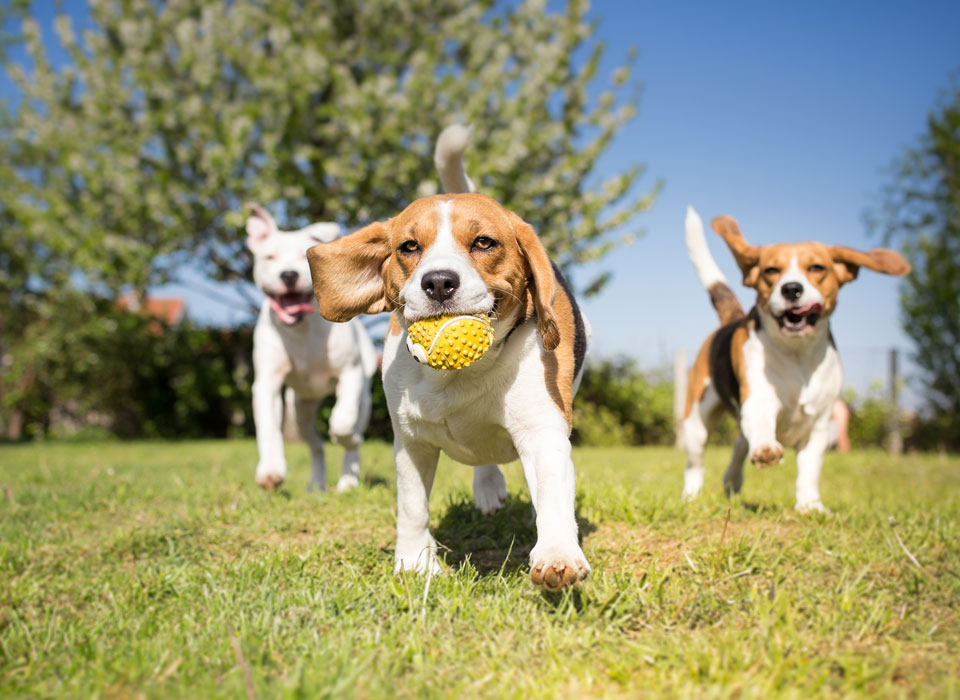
(921, 211)
(130, 160)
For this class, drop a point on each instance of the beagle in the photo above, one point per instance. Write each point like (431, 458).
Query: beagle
(466, 254)
(776, 368)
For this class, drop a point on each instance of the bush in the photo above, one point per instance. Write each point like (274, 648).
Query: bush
(618, 404)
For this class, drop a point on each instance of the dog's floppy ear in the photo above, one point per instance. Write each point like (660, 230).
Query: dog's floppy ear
(260, 226)
(542, 282)
(847, 262)
(348, 273)
(746, 255)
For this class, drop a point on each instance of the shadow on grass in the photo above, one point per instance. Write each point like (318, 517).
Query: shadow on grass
(492, 542)
(373, 481)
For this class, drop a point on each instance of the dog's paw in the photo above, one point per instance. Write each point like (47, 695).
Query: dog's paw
(558, 566)
(347, 482)
(689, 494)
(316, 485)
(420, 558)
(489, 489)
(767, 455)
(813, 507)
(269, 481)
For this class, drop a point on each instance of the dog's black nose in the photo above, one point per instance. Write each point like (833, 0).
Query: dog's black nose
(440, 284)
(792, 290)
(289, 277)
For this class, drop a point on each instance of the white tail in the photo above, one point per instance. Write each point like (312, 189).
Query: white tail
(448, 157)
(706, 266)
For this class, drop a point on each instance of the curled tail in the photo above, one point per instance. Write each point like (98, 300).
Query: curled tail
(722, 297)
(448, 157)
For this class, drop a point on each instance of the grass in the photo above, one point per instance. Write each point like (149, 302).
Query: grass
(159, 569)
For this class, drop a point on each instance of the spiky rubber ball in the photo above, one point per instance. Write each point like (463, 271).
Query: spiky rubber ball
(450, 342)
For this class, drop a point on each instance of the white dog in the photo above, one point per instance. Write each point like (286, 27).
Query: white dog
(775, 368)
(294, 346)
(466, 254)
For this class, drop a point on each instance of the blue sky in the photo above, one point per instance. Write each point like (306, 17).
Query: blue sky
(784, 115)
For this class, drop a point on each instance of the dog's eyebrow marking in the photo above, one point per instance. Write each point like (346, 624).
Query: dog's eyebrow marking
(474, 226)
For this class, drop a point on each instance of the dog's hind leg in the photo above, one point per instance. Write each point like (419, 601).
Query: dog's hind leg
(489, 488)
(696, 427)
(733, 478)
(348, 421)
(306, 418)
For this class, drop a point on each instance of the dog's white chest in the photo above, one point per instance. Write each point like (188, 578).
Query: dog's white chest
(457, 411)
(805, 386)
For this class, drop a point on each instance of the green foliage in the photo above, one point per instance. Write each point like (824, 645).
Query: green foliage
(142, 149)
(136, 154)
(869, 416)
(921, 209)
(618, 404)
(129, 569)
(87, 367)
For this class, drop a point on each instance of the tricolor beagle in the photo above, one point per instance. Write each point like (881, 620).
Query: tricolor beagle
(776, 368)
(466, 254)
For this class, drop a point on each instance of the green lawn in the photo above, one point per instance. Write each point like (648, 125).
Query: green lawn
(159, 569)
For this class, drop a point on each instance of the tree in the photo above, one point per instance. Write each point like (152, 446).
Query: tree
(135, 155)
(921, 209)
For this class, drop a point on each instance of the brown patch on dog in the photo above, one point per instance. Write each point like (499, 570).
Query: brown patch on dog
(348, 273)
(883, 260)
(738, 362)
(721, 362)
(560, 363)
(699, 376)
(727, 305)
(394, 327)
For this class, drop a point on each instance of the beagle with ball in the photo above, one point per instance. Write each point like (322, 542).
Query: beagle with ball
(776, 368)
(465, 254)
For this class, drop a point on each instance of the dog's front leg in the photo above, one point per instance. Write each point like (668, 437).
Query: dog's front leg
(758, 423)
(416, 467)
(557, 561)
(809, 462)
(267, 418)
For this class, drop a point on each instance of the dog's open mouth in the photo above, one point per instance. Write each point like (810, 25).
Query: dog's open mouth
(290, 308)
(800, 321)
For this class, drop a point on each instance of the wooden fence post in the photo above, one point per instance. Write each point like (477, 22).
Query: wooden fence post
(894, 438)
(679, 390)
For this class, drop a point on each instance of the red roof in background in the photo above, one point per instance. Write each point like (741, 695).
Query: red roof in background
(168, 309)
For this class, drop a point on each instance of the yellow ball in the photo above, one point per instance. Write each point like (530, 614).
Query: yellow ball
(450, 342)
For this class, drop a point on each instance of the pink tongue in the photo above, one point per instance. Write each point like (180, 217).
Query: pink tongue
(288, 312)
(815, 307)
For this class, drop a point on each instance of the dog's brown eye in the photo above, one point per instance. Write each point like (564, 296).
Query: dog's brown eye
(484, 243)
(410, 246)
(816, 268)
(771, 271)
